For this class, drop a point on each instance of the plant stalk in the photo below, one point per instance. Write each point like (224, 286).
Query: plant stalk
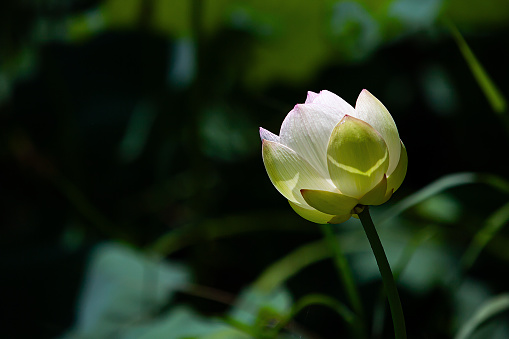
(391, 291)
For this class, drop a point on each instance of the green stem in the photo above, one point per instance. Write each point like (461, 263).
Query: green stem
(345, 274)
(398, 318)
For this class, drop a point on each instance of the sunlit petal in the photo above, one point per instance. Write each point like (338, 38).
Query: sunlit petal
(371, 110)
(306, 130)
(357, 157)
(330, 99)
(311, 97)
(290, 173)
(396, 178)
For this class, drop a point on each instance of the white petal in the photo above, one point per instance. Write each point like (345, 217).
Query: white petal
(311, 97)
(267, 135)
(332, 100)
(306, 130)
(371, 110)
(290, 173)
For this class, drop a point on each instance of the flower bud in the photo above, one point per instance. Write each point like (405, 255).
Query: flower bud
(330, 159)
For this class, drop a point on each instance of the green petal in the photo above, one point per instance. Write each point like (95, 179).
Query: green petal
(329, 202)
(311, 214)
(290, 173)
(371, 110)
(396, 178)
(357, 157)
(338, 219)
(377, 195)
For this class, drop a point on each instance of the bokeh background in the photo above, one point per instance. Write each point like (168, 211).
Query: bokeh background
(134, 199)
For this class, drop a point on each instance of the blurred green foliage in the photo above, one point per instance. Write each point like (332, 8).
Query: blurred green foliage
(135, 203)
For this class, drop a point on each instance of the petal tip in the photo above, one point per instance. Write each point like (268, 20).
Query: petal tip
(311, 97)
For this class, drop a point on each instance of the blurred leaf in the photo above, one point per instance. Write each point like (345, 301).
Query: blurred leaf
(494, 223)
(415, 14)
(323, 300)
(444, 183)
(137, 132)
(441, 208)
(121, 13)
(492, 93)
(216, 228)
(226, 136)
(181, 322)
(281, 270)
(354, 29)
(417, 240)
(123, 287)
(84, 25)
(295, 44)
(485, 313)
(182, 65)
(439, 90)
(427, 266)
(487, 13)
(255, 306)
(346, 277)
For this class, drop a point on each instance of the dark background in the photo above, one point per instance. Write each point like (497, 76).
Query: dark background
(128, 121)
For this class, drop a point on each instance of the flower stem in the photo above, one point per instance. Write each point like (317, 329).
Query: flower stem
(345, 274)
(398, 318)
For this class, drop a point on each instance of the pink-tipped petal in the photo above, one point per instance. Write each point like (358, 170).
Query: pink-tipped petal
(306, 130)
(330, 99)
(311, 97)
(267, 135)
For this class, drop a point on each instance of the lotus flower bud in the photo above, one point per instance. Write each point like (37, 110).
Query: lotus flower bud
(330, 159)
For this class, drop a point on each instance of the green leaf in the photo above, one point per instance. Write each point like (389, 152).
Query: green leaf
(494, 224)
(181, 322)
(439, 185)
(485, 313)
(254, 305)
(121, 285)
(492, 93)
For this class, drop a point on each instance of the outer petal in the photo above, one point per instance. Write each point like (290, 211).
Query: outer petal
(357, 157)
(267, 135)
(377, 195)
(306, 130)
(311, 97)
(332, 100)
(329, 202)
(290, 173)
(338, 219)
(396, 178)
(371, 110)
(310, 213)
